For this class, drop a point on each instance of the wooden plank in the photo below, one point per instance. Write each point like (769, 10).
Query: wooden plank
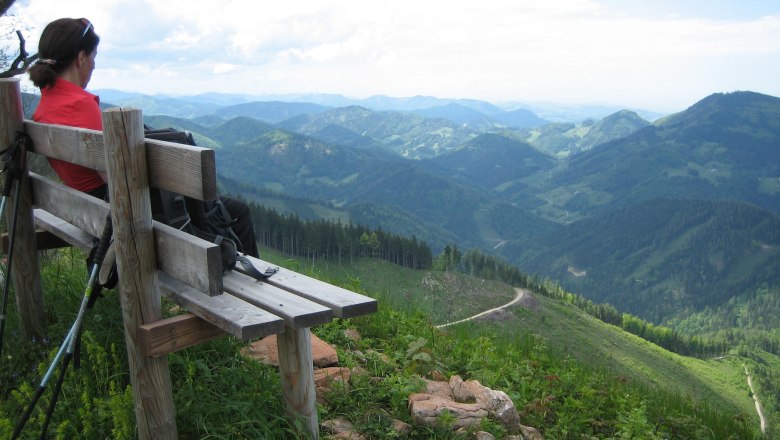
(297, 312)
(63, 230)
(75, 207)
(25, 275)
(138, 288)
(343, 302)
(297, 374)
(184, 169)
(188, 258)
(176, 333)
(232, 315)
(71, 144)
(43, 240)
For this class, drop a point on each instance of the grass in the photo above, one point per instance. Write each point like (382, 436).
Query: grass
(219, 394)
(563, 326)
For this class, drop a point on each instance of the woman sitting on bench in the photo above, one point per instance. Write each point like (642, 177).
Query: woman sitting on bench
(67, 51)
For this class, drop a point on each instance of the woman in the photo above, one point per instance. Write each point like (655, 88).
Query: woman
(67, 51)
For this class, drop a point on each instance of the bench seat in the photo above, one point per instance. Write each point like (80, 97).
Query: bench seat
(249, 309)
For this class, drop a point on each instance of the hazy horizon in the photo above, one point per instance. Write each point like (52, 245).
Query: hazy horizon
(661, 57)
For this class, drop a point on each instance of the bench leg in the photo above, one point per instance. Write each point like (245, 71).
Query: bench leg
(297, 371)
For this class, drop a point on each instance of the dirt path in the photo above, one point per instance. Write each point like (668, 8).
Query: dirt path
(759, 409)
(519, 296)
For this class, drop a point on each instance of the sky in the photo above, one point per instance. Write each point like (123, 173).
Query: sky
(658, 55)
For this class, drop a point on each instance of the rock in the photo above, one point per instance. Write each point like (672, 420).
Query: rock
(323, 377)
(341, 429)
(352, 334)
(441, 389)
(482, 435)
(438, 376)
(497, 403)
(468, 402)
(401, 428)
(266, 351)
(426, 409)
(335, 426)
(530, 433)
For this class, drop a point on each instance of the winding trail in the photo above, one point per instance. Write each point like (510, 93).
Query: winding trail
(759, 409)
(520, 294)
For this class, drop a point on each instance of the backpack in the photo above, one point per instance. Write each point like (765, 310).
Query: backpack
(209, 220)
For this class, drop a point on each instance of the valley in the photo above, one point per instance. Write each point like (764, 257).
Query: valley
(628, 207)
(674, 221)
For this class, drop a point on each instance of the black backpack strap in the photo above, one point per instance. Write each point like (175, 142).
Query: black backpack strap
(247, 268)
(174, 208)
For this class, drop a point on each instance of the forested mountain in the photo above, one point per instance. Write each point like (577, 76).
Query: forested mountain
(658, 222)
(564, 139)
(272, 112)
(615, 126)
(491, 160)
(662, 258)
(724, 147)
(408, 134)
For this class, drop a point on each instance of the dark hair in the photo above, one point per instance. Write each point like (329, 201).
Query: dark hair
(61, 42)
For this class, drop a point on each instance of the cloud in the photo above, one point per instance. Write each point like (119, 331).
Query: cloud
(564, 50)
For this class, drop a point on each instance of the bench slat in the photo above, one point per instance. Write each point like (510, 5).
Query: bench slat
(296, 311)
(75, 207)
(176, 333)
(343, 302)
(239, 318)
(184, 169)
(63, 229)
(188, 258)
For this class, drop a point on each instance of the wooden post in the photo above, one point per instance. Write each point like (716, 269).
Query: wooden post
(25, 276)
(138, 288)
(297, 371)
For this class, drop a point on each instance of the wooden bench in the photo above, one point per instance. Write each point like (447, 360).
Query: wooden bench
(154, 260)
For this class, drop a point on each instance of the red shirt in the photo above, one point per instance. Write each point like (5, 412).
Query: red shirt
(65, 103)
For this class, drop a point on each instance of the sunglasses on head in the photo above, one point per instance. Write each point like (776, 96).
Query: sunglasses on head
(87, 26)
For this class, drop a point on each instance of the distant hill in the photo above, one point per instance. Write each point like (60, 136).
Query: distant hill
(615, 126)
(564, 139)
(409, 135)
(723, 147)
(599, 220)
(454, 112)
(519, 118)
(158, 105)
(271, 112)
(493, 160)
(661, 258)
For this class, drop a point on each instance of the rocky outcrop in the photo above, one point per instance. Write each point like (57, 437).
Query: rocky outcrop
(467, 403)
(266, 351)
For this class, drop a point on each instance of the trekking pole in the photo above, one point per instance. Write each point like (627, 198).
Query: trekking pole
(13, 159)
(68, 344)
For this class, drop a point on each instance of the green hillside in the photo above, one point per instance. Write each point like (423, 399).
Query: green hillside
(591, 221)
(662, 258)
(409, 135)
(622, 386)
(724, 147)
(563, 139)
(493, 160)
(568, 331)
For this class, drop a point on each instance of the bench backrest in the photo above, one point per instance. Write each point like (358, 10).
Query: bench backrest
(175, 167)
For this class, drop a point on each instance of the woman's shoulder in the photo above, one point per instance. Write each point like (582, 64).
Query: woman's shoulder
(68, 104)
